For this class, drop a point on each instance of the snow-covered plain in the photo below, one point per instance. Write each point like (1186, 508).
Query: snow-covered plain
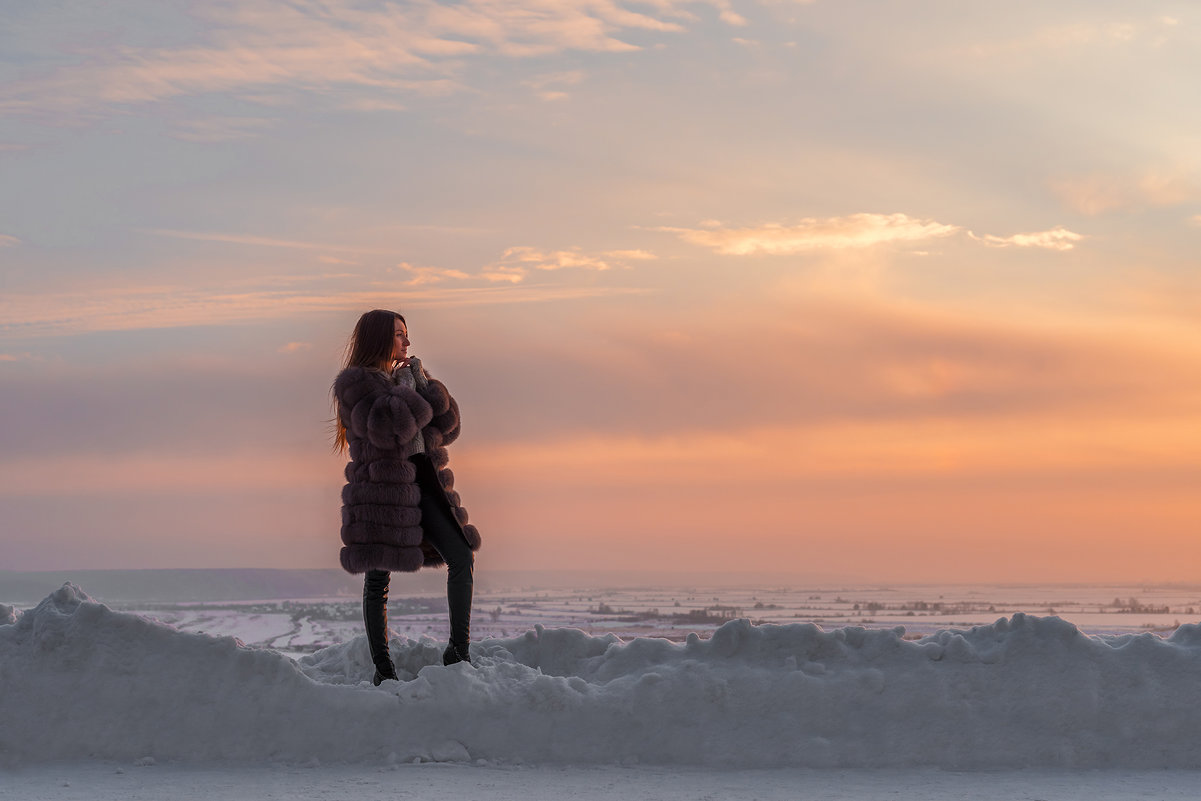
(118, 702)
(301, 626)
(166, 782)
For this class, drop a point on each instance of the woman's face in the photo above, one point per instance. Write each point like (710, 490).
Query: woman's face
(400, 342)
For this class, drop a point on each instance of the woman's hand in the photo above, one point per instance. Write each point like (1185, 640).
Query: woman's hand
(418, 372)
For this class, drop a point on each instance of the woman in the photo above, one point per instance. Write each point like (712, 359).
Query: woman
(400, 510)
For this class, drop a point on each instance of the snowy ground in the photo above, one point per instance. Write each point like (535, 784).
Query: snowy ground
(296, 627)
(104, 704)
(111, 782)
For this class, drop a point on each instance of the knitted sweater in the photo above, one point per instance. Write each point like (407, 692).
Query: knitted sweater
(411, 377)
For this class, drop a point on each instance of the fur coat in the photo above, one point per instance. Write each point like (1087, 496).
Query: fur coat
(381, 515)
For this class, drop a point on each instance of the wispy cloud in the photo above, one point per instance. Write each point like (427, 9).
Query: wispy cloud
(296, 347)
(1055, 239)
(516, 263)
(117, 472)
(148, 307)
(1099, 193)
(262, 241)
(416, 46)
(430, 275)
(1076, 36)
(852, 231)
(220, 129)
(373, 104)
(7, 241)
(553, 86)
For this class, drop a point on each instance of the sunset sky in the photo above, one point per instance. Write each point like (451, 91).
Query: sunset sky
(876, 290)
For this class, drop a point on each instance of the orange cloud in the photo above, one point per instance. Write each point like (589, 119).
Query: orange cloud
(394, 48)
(516, 262)
(852, 231)
(1022, 498)
(1056, 239)
(1015, 445)
(430, 275)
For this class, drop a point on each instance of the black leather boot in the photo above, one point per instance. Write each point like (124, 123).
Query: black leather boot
(375, 620)
(380, 677)
(456, 653)
(458, 598)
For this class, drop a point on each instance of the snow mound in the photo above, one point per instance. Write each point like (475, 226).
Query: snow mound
(80, 680)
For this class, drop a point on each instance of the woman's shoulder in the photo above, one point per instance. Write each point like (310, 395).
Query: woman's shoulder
(358, 379)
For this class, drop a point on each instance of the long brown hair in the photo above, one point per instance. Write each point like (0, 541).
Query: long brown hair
(370, 345)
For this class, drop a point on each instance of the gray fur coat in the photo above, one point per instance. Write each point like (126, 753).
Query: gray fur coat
(381, 515)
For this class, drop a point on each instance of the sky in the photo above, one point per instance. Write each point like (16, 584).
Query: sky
(885, 291)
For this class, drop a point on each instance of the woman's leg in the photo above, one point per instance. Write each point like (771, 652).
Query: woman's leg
(443, 532)
(375, 620)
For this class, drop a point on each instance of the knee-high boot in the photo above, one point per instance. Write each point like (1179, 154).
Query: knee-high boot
(375, 620)
(459, 589)
(458, 597)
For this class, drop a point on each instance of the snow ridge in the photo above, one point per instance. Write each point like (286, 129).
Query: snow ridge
(82, 681)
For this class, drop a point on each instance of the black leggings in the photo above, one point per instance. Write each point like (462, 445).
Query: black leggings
(442, 531)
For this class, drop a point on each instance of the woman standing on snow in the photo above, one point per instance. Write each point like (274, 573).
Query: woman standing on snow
(400, 510)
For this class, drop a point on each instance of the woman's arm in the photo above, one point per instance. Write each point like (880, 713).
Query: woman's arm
(373, 408)
(445, 410)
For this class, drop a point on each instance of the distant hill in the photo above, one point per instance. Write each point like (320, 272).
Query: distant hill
(264, 584)
(237, 584)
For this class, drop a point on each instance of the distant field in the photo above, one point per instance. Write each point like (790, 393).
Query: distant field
(305, 625)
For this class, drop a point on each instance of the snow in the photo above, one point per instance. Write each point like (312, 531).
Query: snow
(417, 608)
(82, 681)
(164, 782)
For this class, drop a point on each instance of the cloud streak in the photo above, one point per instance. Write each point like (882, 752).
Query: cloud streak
(1056, 239)
(220, 129)
(516, 263)
(138, 308)
(851, 232)
(417, 46)
(1100, 193)
(811, 233)
(430, 275)
(261, 241)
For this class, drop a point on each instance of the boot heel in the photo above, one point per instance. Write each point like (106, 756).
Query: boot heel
(456, 653)
(382, 677)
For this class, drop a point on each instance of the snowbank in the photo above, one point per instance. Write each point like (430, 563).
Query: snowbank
(80, 680)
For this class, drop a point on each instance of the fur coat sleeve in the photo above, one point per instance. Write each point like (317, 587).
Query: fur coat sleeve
(378, 410)
(445, 411)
